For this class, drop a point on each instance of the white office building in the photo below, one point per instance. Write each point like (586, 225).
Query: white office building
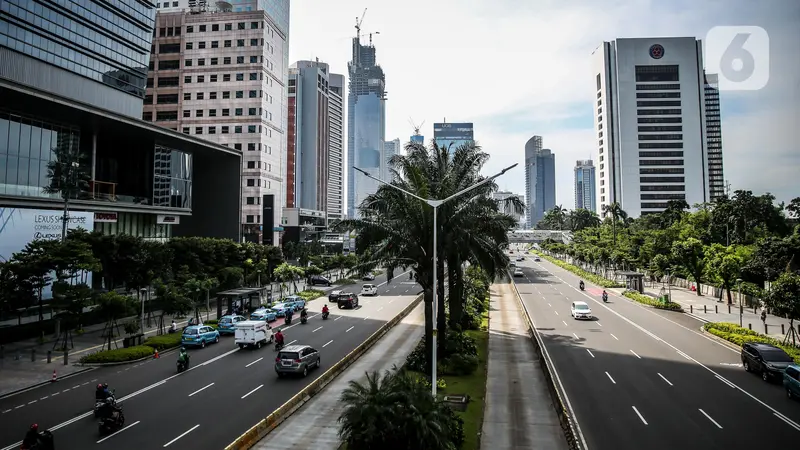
(336, 148)
(390, 148)
(651, 123)
(503, 195)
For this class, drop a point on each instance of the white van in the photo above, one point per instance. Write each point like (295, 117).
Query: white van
(252, 333)
(369, 289)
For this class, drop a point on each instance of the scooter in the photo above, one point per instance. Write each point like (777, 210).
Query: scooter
(605, 298)
(110, 424)
(304, 320)
(182, 365)
(278, 346)
(325, 315)
(288, 320)
(581, 286)
(45, 442)
(99, 403)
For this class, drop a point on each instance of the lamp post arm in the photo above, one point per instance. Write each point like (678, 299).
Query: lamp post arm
(481, 183)
(366, 174)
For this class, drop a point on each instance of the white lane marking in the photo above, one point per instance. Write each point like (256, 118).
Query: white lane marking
(259, 359)
(365, 318)
(44, 397)
(576, 336)
(32, 402)
(245, 395)
(182, 435)
(290, 343)
(390, 301)
(665, 379)
(316, 329)
(76, 386)
(639, 414)
(684, 355)
(642, 329)
(18, 407)
(201, 389)
(709, 418)
(408, 290)
(6, 411)
(731, 364)
(731, 385)
(590, 353)
(612, 335)
(600, 324)
(565, 323)
(212, 360)
(117, 432)
(84, 384)
(93, 380)
(54, 394)
(634, 354)
(609, 377)
(380, 308)
(349, 329)
(556, 312)
(549, 305)
(327, 343)
(337, 318)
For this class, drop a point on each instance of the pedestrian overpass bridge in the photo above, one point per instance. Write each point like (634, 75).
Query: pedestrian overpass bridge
(538, 236)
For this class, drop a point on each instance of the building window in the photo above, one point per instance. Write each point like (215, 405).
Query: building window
(253, 94)
(251, 182)
(168, 82)
(187, 80)
(660, 137)
(227, 43)
(650, 129)
(212, 95)
(167, 99)
(201, 44)
(657, 73)
(666, 154)
(239, 77)
(224, 129)
(215, 27)
(238, 112)
(228, 26)
(237, 130)
(252, 111)
(254, 76)
(226, 94)
(226, 112)
(226, 77)
(646, 103)
(187, 63)
(658, 95)
(251, 129)
(237, 146)
(214, 61)
(251, 146)
(198, 130)
(253, 59)
(189, 45)
(190, 29)
(253, 25)
(653, 145)
(661, 162)
(239, 94)
(201, 78)
(202, 28)
(198, 113)
(212, 79)
(186, 130)
(212, 113)
(251, 200)
(187, 95)
(240, 26)
(147, 116)
(200, 96)
(250, 218)
(212, 130)
(201, 62)
(253, 42)
(251, 164)
(187, 112)
(240, 42)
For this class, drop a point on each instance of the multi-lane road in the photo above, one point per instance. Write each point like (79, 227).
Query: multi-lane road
(638, 378)
(225, 392)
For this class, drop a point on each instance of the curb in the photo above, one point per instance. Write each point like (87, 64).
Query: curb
(44, 383)
(720, 340)
(562, 407)
(268, 424)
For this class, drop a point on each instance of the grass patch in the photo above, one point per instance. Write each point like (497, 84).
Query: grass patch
(654, 302)
(163, 342)
(596, 279)
(310, 294)
(473, 385)
(344, 281)
(118, 355)
(739, 335)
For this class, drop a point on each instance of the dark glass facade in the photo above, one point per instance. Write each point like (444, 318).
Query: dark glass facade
(107, 41)
(277, 9)
(26, 148)
(172, 178)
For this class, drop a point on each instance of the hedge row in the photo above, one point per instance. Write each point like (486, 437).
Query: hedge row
(344, 281)
(650, 301)
(164, 342)
(119, 355)
(740, 335)
(310, 294)
(598, 280)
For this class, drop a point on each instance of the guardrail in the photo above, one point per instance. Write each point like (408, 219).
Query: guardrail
(553, 383)
(266, 425)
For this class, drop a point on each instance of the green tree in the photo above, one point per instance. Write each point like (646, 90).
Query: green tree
(783, 299)
(285, 273)
(690, 254)
(73, 263)
(617, 213)
(69, 175)
(33, 267)
(230, 278)
(724, 266)
(113, 306)
(581, 219)
(173, 302)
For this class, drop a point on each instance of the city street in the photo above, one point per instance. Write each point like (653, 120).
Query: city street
(224, 393)
(641, 378)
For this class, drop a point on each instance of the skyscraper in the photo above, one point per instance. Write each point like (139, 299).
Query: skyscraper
(540, 181)
(390, 148)
(366, 124)
(585, 185)
(417, 139)
(716, 176)
(336, 150)
(453, 135)
(503, 195)
(651, 123)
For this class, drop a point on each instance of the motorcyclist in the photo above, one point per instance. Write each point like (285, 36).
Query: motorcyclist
(31, 437)
(174, 327)
(279, 338)
(325, 310)
(582, 285)
(303, 313)
(183, 356)
(100, 393)
(108, 410)
(289, 313)
(605, 295)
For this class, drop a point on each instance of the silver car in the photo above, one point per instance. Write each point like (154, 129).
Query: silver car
(296, 359)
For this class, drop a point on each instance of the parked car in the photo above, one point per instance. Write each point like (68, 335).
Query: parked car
(295, 301)
(227, 324)
(199, 336)
(767, 360)
(369, 289)
(518, 272)
(265, 315)
(347, 300)
(369, 277)
(296, 360)
(281, 308)
(319, 280)
(333, 296)
(791, 381)
(253, 333)
(580, 310)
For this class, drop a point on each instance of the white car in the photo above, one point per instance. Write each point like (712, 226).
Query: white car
(580, 310)
(369, 289)
(518, 272)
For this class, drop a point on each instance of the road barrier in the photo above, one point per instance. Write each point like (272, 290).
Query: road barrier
(266, 425)
(553, 383)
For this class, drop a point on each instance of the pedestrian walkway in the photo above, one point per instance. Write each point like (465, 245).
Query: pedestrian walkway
(315, 425)
(709, 309)
(519, 412)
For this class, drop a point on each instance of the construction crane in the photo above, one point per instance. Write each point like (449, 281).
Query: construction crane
(370, 37)
(416, 127)
(358, 25)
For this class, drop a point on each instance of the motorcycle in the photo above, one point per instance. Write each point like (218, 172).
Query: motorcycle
(278, 346)
(325, 315)
(304, 320)
(182, 365)
(113, 423)
(99, 403)
(288, 320)
(581, 286)
(45, 442)
(605, 298)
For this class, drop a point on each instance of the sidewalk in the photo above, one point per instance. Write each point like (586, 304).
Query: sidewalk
(709, 309)
(315, 425)
(519, 412)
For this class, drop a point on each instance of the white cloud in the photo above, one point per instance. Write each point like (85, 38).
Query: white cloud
(527, 64)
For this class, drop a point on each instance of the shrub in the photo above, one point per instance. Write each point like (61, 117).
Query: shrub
(473, 311)
(458, 365)
(212, 322)
(455, 426)
(310, 294)
(740, 335)
(600, 281)
(118, 355)
(460, 344)
(163, 342)
(650, 301)
(415, 361)
(344, 281)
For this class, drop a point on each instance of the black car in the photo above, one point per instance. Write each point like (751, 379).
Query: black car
(334, 296)
(767, 360)
(319, 280)
(347, 300)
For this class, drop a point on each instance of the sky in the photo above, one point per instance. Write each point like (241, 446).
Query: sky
(520, 68)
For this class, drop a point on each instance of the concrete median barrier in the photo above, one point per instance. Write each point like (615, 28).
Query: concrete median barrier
(269, 423)
(553, 383)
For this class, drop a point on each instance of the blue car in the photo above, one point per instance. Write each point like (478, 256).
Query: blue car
(199, 336)
(227, 324)
(296, 302)
(267, 315)
(281, 308)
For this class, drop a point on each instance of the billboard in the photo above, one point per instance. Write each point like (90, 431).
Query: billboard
(453, 131)
(19, 226)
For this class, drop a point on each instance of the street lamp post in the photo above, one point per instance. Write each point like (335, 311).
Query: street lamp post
(739, 294)
(435, 204)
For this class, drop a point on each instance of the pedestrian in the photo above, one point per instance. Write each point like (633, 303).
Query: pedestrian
(764, 316)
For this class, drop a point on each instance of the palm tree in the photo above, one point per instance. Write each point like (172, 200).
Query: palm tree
(582, 218)
(616, 211)
(560, 215)
(397, 228)
(394, 412)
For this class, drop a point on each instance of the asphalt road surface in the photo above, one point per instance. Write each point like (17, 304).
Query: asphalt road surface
(640, 378)
(225, 392)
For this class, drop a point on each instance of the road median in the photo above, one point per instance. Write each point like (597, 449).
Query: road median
(562, 407)
(269, 423)
(735, 336)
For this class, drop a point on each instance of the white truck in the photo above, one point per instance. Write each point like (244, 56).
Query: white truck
(252, 333)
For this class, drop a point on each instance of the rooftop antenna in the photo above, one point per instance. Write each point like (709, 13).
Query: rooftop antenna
(416, 127)
(358, 25)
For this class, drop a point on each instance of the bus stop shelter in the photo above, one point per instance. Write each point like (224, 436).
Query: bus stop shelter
(634, 281)
(244, 296)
